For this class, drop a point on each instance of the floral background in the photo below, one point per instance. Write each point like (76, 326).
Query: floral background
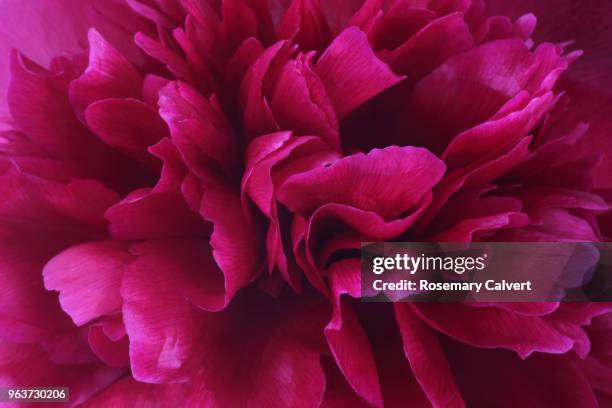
(185, 185)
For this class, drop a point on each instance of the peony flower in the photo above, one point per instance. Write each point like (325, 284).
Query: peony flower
(186, 184)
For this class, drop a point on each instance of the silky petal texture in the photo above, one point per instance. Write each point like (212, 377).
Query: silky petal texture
(467, 216)
(24, 365)
(113, 353)
(423, 349)
(351, 73)
(432, 45)
(88, 278)
(40, 107)
(305, 24)
(571, 20)
(235, 238)
(398, 24)
(42, 218)
(346, 338)
(162, 338)
(359, 179)
(500, 328)
(128, 392)
(163, 343)
(199, 128)
(171, 60)
(161, 212)
(108, 75)
(171, 170)
(284, 366)
(271, 157)
(257, 115)
(338, 393)
(127, 125)
(270, 160)
(515, 69)
(541, 380)
(300, 103)
(479, 141)
(41, 31)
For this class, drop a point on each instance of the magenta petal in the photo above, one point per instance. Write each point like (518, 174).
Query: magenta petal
(235, 238)
(431, 46)
(23, 365)
(40, 31)
(347, 339)
(175, 64)
(128, 392)
(161, 212)
(338, 392)
(199, 129)
(523, 334)
(300, 103)
(268, 152)
(258, 117)
(541, 380)
(427, 359)
(479, 141)
(88, 278)
(113, 353)
(163, 327)
(466, 216)
(41, 218)
(305, 24)
(127, 125)
(170, 340)
(500, 70)
(154, 215)
(360, 179)
(287, 346)
(39, 105)
(351, 73)
(109, 75)
(562, 20)
(398, 24)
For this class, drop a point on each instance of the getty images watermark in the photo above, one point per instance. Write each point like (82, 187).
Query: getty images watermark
(500, 272)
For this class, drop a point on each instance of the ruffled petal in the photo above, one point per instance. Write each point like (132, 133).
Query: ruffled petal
(351, 73)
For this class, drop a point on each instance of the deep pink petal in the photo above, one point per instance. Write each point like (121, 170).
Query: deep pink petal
(199, 129)
(523, 334)
(171, 340)
(305, 24)
(88, 278)
(428, 48)
(113, 353)
(235, 237)
(128, 392)
(161, 212)
(359, 181)
(127, 125)
(427, 359)
(29, 366)
(108, 75)
(500, 70)
(300, 103)
(540, 380)
(40, 31)
(351, 73)
(346, 337)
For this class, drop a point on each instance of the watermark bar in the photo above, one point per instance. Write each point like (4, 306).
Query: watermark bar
(34, 394)
(486, 272)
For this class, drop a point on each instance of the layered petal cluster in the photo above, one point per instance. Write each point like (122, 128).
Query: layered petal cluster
(186, 185)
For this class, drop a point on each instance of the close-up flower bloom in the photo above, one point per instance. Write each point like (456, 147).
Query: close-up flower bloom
(186, 184)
